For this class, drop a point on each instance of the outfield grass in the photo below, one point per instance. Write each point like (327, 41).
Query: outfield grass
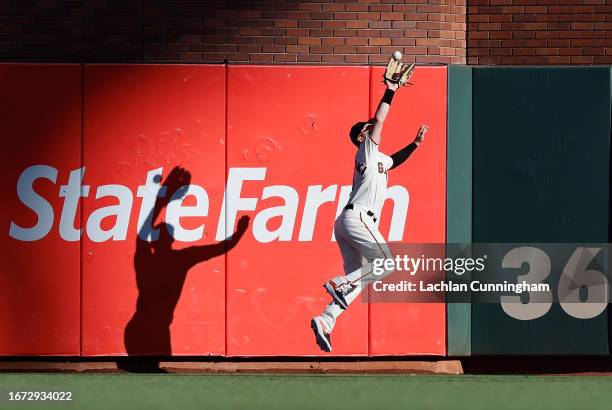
(292, 392)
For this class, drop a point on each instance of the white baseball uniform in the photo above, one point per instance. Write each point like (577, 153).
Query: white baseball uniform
(355, 229)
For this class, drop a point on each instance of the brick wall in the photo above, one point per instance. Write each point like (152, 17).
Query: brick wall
(297, 31)
(431, 31)
(539, 32)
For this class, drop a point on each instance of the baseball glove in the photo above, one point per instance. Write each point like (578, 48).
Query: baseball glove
(398, 72)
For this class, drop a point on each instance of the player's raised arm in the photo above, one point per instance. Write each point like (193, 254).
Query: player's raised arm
(383, 110)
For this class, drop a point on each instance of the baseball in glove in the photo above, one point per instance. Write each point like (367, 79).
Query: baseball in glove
(398, 72)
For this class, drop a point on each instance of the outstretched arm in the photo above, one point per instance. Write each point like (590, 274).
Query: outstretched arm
(196, 254)
(402, 155)
(382, 111)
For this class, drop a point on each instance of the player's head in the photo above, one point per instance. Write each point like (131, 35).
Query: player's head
(166, 237)
(359, 132)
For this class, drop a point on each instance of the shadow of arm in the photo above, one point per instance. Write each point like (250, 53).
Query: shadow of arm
(195, 254)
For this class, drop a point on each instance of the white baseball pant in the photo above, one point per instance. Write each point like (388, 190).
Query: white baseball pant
(360, 243)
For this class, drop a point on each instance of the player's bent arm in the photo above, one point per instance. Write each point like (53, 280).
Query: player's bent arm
(402, 155)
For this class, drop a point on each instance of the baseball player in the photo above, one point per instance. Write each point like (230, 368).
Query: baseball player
(355, 229)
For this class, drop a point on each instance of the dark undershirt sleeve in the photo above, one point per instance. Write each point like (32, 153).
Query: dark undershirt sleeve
(402, 155)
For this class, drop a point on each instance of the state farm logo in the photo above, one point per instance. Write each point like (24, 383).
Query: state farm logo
(233, 204)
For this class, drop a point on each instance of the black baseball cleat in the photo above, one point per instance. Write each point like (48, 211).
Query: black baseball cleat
(336, 294)
(322, 337)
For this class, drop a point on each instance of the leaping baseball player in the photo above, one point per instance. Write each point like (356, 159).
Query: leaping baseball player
(357, 236)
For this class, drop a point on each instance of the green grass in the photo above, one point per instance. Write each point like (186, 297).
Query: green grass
(292, 392)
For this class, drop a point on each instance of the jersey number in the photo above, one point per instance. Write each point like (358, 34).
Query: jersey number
(360, 167)
(381, 169)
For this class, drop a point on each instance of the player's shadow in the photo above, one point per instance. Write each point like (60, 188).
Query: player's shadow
(160, 274)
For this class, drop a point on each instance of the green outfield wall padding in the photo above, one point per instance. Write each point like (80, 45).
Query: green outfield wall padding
(459, 195)
(541, 155)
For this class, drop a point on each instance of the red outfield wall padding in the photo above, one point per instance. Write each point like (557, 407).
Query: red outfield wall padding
(143, 120)
(40, 120)
(415, 328)
(288, 128)
(289, 167)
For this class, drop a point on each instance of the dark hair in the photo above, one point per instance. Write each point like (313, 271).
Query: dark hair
(356, 130)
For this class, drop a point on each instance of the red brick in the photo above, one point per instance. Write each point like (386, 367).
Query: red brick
(369, 50)
(594, 51)
(381, 7)
(379, 24)
(298, 49)
(489, 26)
(547, 34)
(357, 58)
(581, 42)
(345, 49)
(501, 18)
(500, 34)
(333, 7)
(285, 40)
(333, 24)
(322, 49)
(558, 59)
(285, 23)
(357, 24)
(261, 58)
(315, 32)
(309, 40)
(309, 58)
(345, 16)
(500, 52)
(285, 58)
(547, 51)
(273, 49)
(333, 41)
(403, 41)
(524, 18)
(558, 43)
(378, 59)
(535, 43)
(602, 59)
(523, 34)
(429, 25)
(356, 7)
(309, 23)
(403, 24)
(426, 41)
(581, 59)
(356, 41)
(512, 60)
(415, 33)
(297, 32)
(379, 41)
(369, 16)
(535, 60)
(582, 26)
(307, 6)
(512, 43)
(523, 51)
(535, 9)
(570, 51)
